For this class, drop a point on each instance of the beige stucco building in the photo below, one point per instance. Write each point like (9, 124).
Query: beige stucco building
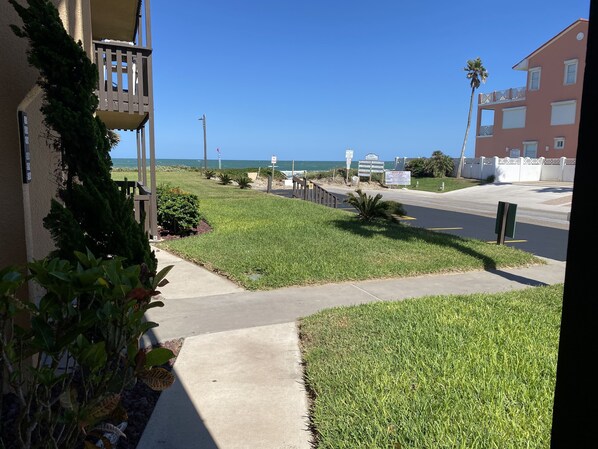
(116, 34)
(540, 119)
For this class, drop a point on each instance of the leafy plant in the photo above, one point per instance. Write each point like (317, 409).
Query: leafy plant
(178, 211)
(70, 356)
(417, 167)
(371, 207)
(225, 179)
(209, 174)
(92, 212)
(244, 182)
(439, 165)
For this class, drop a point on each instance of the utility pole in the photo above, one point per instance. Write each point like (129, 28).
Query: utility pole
(205, 144)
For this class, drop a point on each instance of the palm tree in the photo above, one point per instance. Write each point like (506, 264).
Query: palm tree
(477, 74)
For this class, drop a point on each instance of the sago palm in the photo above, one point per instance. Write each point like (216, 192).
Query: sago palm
(370, 207)
(476, 74)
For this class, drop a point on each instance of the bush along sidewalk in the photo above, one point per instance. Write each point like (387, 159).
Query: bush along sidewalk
(178, 211)
(69, 357)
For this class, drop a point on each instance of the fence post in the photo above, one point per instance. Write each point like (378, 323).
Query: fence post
(495, 169)
(305, 188)
(482, 167)
(542, 159)
(520, 168)
(562, 164)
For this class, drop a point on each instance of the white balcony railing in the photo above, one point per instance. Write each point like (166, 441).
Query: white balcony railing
(486, 130)
(501, 96)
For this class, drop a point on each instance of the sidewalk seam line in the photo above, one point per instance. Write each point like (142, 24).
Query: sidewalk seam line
(366, 292)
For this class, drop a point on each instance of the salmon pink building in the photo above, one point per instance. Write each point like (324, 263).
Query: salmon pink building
(540, 119)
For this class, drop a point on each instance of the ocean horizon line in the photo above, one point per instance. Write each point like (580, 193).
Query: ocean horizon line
(282, 165)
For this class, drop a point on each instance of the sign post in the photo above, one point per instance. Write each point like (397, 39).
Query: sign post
(505, 221)
(273, 160)
(348, 157)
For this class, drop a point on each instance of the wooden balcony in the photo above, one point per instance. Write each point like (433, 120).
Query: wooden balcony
(124, 87)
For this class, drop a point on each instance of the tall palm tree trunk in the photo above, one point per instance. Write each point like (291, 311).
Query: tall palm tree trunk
(462, 158)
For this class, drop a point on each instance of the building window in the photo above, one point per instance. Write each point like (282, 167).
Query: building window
(514, 152)
(534, 79)
(563, 112)
(570, 71)
(559, 143)
(530, 149)
(513, 118)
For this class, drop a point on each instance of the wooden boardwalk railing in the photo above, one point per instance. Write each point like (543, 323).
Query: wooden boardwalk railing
(310, 191)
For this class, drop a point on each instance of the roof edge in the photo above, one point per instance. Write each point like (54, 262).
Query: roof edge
(524, 63)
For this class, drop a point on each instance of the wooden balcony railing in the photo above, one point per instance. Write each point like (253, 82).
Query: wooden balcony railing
(141, 201)
(316, 194)
(123, 84)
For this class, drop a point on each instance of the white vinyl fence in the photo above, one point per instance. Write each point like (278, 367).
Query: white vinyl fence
(511, 169)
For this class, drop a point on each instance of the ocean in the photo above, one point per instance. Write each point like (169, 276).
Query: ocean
(238, 163)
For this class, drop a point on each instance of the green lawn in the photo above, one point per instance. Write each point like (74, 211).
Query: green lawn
(470, 372)
(262, 241)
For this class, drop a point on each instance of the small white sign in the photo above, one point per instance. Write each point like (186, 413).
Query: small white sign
(349, 154)
(348, 163)
(371, 157)
(273, 159)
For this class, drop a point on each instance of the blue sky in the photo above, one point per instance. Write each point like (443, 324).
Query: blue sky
(308, 80)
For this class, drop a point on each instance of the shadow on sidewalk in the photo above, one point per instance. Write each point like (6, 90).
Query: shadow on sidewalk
(175, 421)
(519, 279)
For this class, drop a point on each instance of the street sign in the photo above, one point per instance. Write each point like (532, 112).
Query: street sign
(348, 163)
(349, 154)
(274, 159)
(371, 157)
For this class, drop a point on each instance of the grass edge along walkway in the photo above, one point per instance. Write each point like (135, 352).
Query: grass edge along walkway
(461, 371)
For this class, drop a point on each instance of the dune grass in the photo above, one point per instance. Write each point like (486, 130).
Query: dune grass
(262, 241)
(470, 372)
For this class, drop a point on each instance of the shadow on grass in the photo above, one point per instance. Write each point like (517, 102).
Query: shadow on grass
(397, 231)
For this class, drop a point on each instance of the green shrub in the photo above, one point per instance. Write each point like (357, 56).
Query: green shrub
(70, 361)
(244, 182)
(439, 165)
(178, 211)
(209, 174)
(417, 167)
(225, 178)
(370, 207)
(490, 179)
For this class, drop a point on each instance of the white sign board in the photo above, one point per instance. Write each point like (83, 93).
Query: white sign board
(366, 168)
(371, 157)
(348, 163)
(273, 160)
(397, 178)
(349, 154)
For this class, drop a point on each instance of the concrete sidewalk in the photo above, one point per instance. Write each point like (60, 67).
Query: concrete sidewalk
(239, 376)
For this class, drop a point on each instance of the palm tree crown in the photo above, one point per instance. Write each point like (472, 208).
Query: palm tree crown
(476, 73)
